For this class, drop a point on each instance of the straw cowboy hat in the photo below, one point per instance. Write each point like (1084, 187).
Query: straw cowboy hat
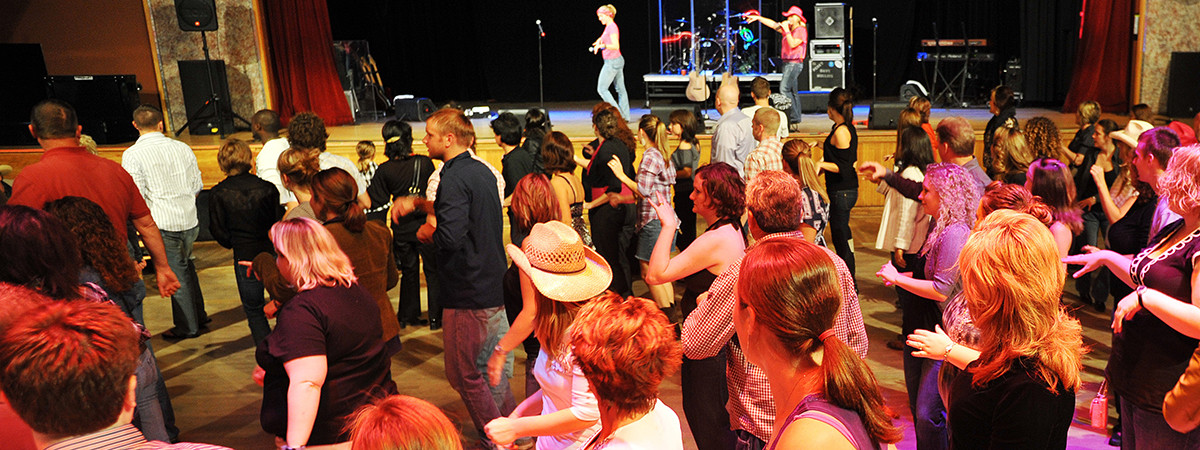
(1131, 133)
(560, 266)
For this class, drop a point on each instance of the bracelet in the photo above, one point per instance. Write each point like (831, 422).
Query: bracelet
(499, 349)
(948, 349)
(1141, 289)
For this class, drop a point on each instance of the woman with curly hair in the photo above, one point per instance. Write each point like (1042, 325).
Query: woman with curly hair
(1010, 156)
(1157, 325)
(1051, 180)
(1042, 136)
(106, 260)
(720, 199)
(951, 195)
(787, 302)
(610, 202)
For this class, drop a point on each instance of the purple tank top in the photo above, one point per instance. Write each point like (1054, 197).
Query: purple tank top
(847, 422)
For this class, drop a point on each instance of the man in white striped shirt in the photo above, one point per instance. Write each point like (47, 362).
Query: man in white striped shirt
(166, 173)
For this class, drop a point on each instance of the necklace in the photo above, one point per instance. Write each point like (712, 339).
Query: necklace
(1142, 263)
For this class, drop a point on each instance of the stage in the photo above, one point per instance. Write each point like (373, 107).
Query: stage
(574, 119)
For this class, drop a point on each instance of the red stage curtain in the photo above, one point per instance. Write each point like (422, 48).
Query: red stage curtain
(1102, 63)
(301, 47)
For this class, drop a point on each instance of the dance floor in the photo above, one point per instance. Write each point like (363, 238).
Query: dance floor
(217, 402)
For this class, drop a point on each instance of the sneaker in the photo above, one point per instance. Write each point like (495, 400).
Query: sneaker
(794, 128)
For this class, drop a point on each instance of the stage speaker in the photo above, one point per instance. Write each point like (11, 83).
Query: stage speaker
(885, 115)
(813, 102)
(104, 104)
(825, 75)
(829, 20)
(196, 15)
(193, 80)
(1014, 76)
(23, 83)
(664, 112)
(1183, 94)
(412, 109)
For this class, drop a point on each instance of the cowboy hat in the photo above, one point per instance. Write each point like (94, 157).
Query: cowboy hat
(560, 266)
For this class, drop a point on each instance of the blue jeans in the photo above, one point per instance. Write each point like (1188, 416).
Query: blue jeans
(840, 204)
(613, 74)
(187, 305)
(790, 86)
(929, 414)
(250, 289)
(1145, 429)
(468, 340)
(149, 415)
(1092, 286)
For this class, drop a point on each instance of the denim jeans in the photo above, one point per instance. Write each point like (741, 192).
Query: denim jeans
(1092, 286)
(187, 305)
(790, 86)
(840, 204)
(705, 393)
(1145, 429)
(410, 255)
(250, 289)
(148, 415)
(513, 305)
(468, 340)
(613, 74)
(929, 414)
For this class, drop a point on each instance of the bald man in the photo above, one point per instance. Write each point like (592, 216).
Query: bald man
(733, 139)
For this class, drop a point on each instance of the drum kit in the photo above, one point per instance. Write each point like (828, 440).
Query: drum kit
(706, 48)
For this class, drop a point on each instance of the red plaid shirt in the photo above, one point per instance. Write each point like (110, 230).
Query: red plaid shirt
(710, 327)
(767, 156)
(655, 176)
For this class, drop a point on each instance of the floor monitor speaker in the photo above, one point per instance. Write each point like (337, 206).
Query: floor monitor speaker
(885, 115)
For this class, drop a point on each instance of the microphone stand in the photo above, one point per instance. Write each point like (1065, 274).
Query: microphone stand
(874, 58)
(541, 95)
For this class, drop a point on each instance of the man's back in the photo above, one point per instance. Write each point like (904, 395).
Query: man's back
(166, 173)
(72, 171)
(469, 235)
(732, 140)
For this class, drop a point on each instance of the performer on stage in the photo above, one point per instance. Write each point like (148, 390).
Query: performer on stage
(613, 73)
(795, 46)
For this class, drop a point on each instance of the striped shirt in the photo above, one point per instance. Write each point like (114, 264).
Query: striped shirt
(710, 327)
(124, 437)
(266, 166)
(166, 173)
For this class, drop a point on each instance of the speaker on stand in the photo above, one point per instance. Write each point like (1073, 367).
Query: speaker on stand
(201, 15)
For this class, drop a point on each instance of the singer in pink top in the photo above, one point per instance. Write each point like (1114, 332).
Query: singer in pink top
(613, 72)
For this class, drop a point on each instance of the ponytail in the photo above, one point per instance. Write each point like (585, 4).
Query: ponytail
(337, 192)
(848, 383)
(656, 130)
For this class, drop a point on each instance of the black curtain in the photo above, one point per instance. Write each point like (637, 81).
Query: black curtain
(476, 50)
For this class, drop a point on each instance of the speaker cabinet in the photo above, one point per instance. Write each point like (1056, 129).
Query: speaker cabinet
(885, 115)
(826, 75)
(193, 80)
(829, 20)
(664, 112)
(1183, 93)
(104, 104)
(22, 85)
(196, 15)
(412, 109)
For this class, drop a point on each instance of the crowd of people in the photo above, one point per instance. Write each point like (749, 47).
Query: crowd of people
(767, 334)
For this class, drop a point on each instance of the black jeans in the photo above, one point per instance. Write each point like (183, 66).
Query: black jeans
(840, 204)
(612, 238)
(409, 256)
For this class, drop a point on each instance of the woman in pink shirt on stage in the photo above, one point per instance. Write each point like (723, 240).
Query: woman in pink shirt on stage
(613, 72)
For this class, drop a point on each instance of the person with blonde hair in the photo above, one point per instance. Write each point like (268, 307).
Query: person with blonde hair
(296, 169)
(814, 205)
(1157, 325)
(402, 422)
(788, 298)
(1002, 103)
(326, 356)
(563, 275)
(1010, 155)
(923, 107)
(613, 72)
(768, 154)
(1020, 391)
(951, 195)
(626, 347)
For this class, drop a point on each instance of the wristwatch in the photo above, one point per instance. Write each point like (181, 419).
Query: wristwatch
(288, 447)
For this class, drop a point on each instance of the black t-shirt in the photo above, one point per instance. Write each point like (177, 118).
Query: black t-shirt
(1013, 411)
(402, 177)
(341, 323)
(847, 177)
(515, 164)
(599, 176)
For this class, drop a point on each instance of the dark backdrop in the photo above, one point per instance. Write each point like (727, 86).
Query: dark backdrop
(475, 50)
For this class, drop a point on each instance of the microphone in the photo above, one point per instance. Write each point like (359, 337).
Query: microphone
(541, 32)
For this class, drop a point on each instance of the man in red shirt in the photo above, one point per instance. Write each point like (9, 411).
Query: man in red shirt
(795, 47)
(67, 169)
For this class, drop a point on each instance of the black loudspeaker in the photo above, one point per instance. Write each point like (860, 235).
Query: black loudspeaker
(1014, 77)
(193, 80)
(885, 115)
(23, 81)
(829, 20)
(413, 109)
(104, 104)
(1183, 94)
(196, 15)
(664, 112)
(825, 75)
